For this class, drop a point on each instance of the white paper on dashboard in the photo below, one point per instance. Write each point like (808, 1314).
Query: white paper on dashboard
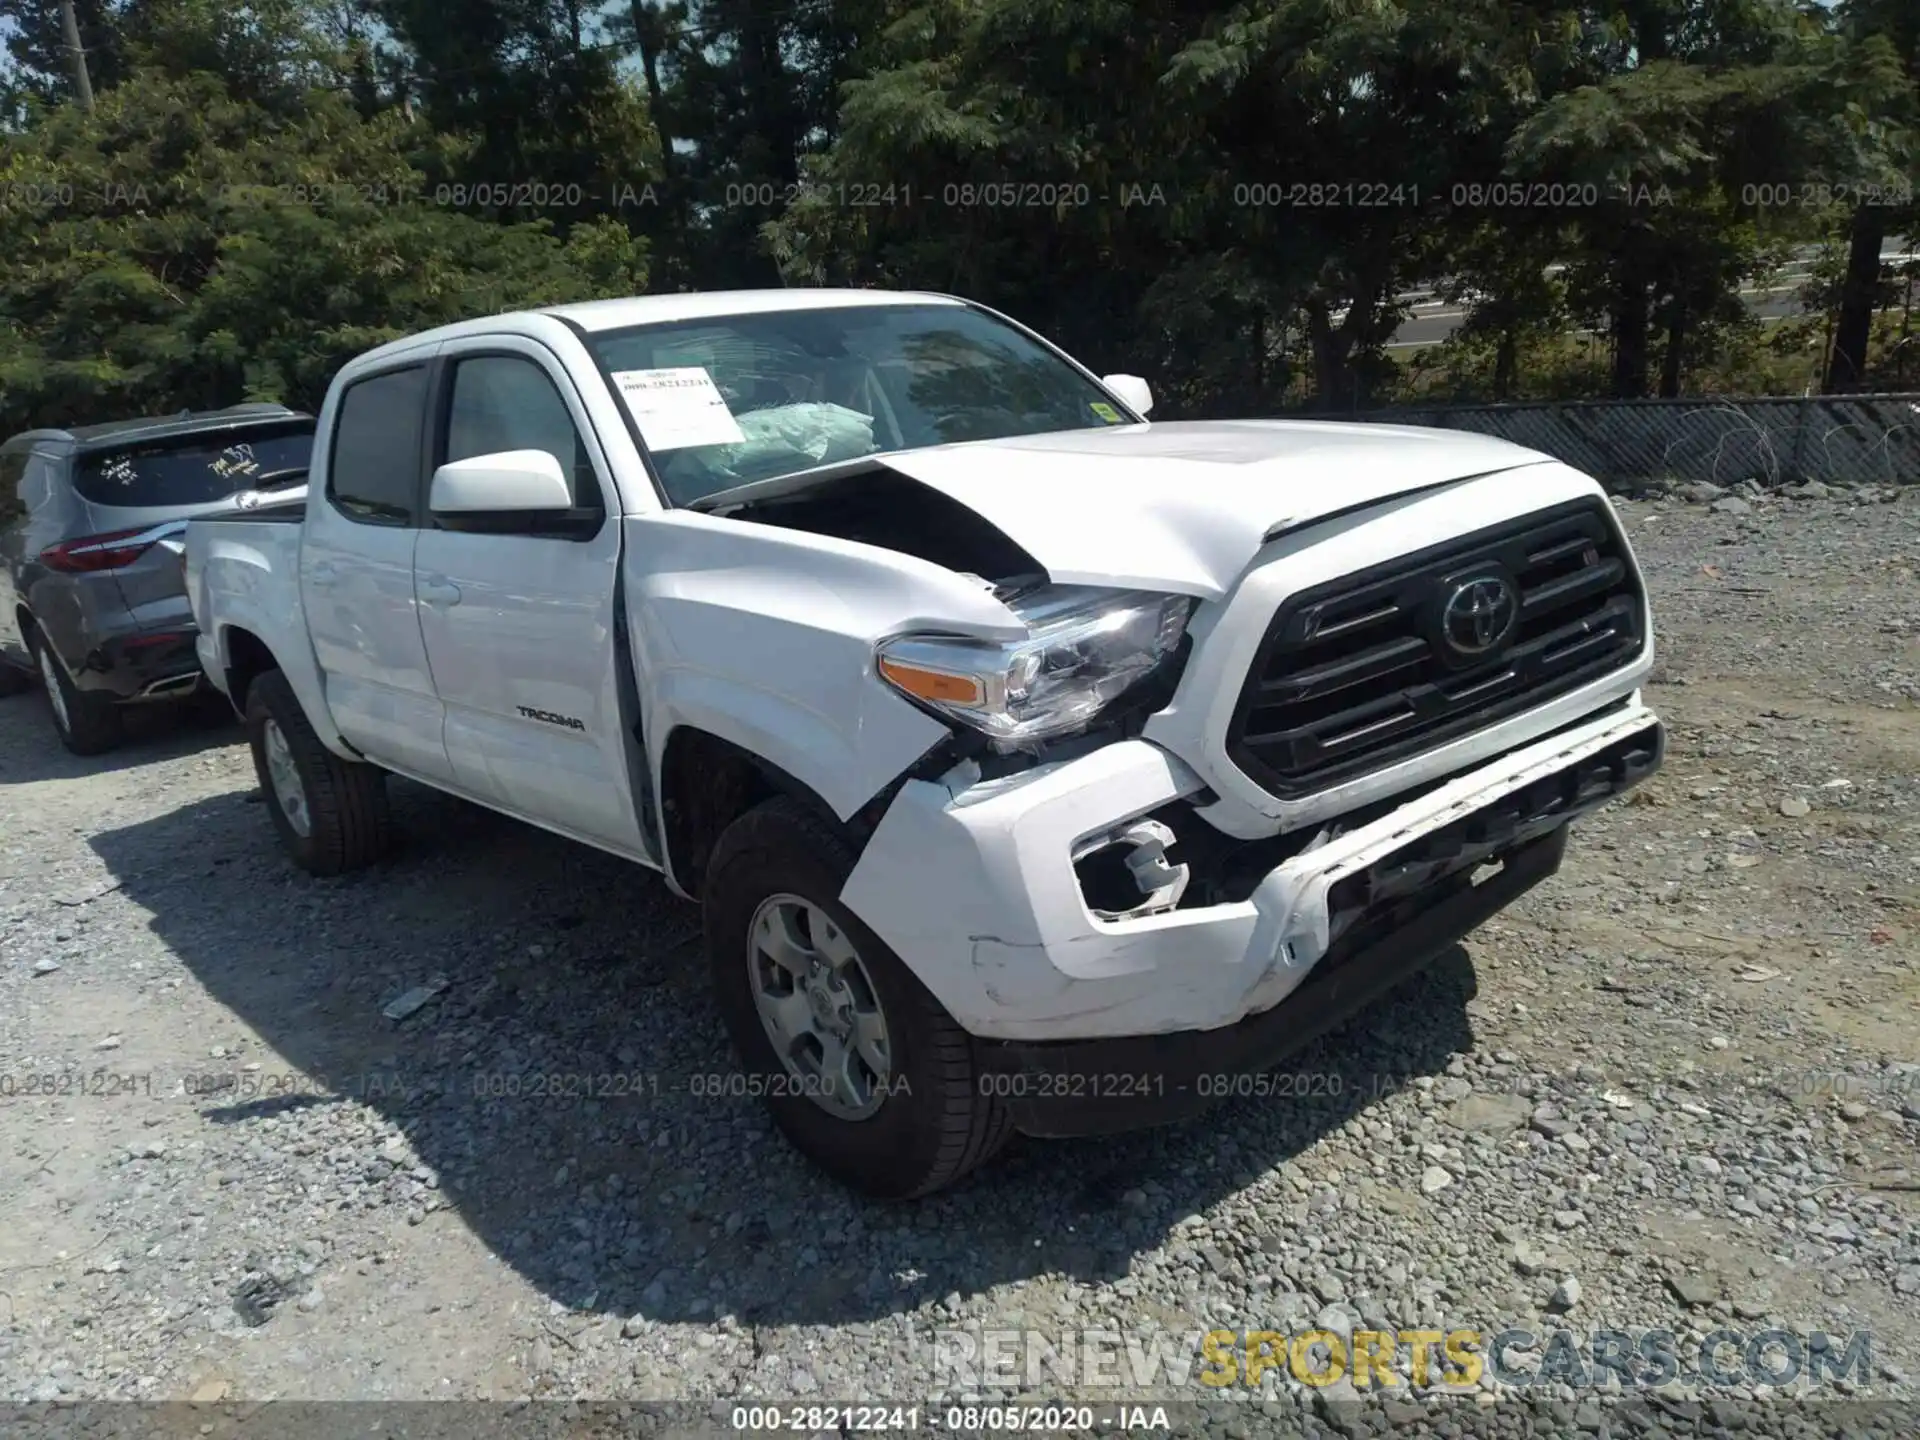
(677, 408)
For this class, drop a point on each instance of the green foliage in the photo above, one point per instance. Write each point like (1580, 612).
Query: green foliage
(205, 249)
(38, 68)
(1232, 196)
(551, 127)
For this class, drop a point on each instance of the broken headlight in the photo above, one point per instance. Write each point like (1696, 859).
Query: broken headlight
(1084, 648)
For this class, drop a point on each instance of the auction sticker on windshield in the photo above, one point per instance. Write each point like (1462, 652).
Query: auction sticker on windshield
(677, 408)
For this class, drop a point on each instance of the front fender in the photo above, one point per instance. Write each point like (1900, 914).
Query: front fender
(764, 637)
(846, 759)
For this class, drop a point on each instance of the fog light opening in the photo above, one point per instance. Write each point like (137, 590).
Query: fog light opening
(1126, 875)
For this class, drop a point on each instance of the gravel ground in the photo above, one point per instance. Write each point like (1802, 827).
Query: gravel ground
(1675, 1088)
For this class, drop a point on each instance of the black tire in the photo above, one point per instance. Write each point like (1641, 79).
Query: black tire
(87, 723)
(348, 824)
(210, 708)
(935, 1124)
(14, 679)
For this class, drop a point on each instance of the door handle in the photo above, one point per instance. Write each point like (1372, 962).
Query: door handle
(438, 590)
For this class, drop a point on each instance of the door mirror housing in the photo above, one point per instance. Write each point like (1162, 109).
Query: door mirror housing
(1132, 390)
(511, 492)
(514, 481)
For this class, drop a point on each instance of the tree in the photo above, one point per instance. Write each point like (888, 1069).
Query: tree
(202, 248)
(542, 122)
(1023, 152)
(37, 51)
(1682, 119)
(756, 95)
(1886, 31)
(1502, 275)
(1237, 195)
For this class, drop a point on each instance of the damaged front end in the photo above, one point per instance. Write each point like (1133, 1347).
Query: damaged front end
(1084, 649)
(1088, 898)
(1085, 646)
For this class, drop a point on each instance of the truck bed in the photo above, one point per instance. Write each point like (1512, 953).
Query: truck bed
(285, 509)
(281, 512)
(243, 573)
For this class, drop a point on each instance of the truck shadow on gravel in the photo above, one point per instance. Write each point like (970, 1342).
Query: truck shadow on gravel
(566, 1093)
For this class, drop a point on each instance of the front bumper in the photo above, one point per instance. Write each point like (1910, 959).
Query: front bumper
(975, 888)
(1095, 1087)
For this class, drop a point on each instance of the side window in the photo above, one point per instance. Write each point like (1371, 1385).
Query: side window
(505, 402)
(13, 494)
(373, 472)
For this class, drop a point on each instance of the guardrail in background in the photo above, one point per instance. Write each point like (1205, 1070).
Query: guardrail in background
(1835, 439)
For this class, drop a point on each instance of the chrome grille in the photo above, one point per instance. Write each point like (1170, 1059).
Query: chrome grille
(1359, 672)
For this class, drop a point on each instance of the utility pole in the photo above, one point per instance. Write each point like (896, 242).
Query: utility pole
(70, 29)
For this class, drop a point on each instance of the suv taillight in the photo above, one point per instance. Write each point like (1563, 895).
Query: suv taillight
(114, 550)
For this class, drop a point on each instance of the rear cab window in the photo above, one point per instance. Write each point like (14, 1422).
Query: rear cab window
(373, 472)
(192, 469)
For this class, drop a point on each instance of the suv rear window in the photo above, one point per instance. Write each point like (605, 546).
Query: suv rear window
(191, 469)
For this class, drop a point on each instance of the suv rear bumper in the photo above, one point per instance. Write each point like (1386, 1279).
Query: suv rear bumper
(111, 649)
(158, 665)
(975, 887)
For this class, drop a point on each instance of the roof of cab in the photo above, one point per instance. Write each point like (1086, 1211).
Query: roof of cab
(157, 427)
(594, 316)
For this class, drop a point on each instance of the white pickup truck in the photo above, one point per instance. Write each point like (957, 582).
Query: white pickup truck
(1036, 767)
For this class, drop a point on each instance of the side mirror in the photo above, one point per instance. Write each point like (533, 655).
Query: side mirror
(513, 481)
(1135, 392)
(512, 492)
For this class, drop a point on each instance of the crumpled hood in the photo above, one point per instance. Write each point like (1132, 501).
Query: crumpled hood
(1183, 506)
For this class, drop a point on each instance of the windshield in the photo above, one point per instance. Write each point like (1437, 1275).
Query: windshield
(191, 469)
(727, 401)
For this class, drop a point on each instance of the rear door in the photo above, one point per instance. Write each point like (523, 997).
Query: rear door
(520, 628)
(356, 569)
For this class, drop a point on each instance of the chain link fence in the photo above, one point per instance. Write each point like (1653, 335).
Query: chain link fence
(1835, 439)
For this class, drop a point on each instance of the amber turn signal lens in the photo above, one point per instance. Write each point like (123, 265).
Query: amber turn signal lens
(932, 684)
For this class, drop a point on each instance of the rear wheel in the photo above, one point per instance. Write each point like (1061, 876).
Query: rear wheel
(864, 1071)
(331, 813)
(211, 708)
(86, 723)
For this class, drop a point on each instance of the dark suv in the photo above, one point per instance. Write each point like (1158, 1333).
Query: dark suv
(91, 594)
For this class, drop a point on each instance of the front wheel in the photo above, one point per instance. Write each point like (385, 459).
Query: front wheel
(331, 813)
(864, 1071)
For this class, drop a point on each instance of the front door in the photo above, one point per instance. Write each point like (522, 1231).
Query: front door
(520, 627)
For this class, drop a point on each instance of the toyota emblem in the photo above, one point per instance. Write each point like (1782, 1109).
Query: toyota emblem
(1479, 615)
